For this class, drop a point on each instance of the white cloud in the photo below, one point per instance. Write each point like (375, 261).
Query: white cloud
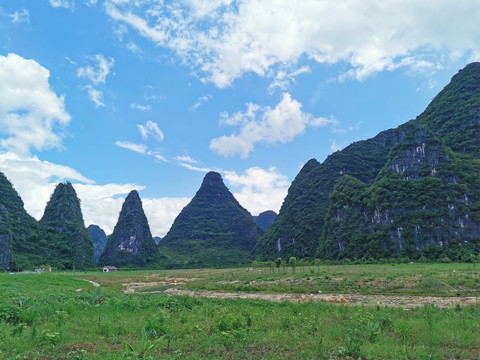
(261, 189)
(101, 204)
(98, 74)
(35, 180)
(195, 168)
(30, 111)
(139, 148)
(67, 4)
(150, 129)
(186, 159)
(160, 157)
(200, 101)
(282, 79)
(95, 95)
(161, 213)
(141, 107)
(222, 40)
(334, 146)
(20, 16)
(133, 48)
(265, 125)
(90, 2)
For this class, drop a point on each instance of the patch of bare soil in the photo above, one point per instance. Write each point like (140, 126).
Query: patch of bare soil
(130, 288)
(403, 301)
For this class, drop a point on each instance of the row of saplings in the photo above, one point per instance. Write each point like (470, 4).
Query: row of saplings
(293, 263)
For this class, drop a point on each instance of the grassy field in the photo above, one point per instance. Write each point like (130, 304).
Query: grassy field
(61, 316)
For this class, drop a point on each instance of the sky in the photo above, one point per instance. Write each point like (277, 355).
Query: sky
(116, 95)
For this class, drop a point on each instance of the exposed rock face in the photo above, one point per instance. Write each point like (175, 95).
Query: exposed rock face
(265, 219)
(19, 246)
(63, 220)
(131, 243)
(409, 191)
(99, 240)
(213, 229)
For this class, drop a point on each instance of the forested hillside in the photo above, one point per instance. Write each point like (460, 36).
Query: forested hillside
(409, 191)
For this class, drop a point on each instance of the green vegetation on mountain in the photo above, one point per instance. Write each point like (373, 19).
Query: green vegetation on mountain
(71, 245)
(409, 191)
(265, 219)
(99, 240)
(454, 114)
(213, 229)
(131, 243)
(20, 240)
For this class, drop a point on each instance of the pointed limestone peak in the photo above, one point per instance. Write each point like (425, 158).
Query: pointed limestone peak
(8, 194)
(454, 114)
(131, 243)
(213, 229)
(64, 205)
(214, 189)
(132, 203)
(63, 217)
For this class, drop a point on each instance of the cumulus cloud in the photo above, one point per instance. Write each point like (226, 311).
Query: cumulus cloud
(96, 75)
(31, 114)
(161, 212)
(101, 204)
(150, 129)
(20, 16)
(265, 125)
(35, 180)
(222, 40)
(261, 189)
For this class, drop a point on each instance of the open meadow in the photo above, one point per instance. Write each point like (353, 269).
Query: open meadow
(310, 312)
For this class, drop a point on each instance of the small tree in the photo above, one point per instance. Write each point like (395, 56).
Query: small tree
(302, 263)
(271, 265)
(278, 262)
(292, 262)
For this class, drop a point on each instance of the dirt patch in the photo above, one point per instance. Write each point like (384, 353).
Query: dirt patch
(403, 301)
(131, 287)
(95, 284)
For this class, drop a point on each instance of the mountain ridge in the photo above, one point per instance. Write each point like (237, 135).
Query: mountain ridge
(439, 149)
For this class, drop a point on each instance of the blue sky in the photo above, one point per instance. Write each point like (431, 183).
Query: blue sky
(115, 95)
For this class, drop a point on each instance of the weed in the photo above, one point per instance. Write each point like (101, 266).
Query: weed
(49, 337)
(145, 350)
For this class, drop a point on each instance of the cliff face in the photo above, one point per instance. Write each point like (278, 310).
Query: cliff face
(19, 232)
(131, 243)
(99, 239)
(411, 191)
(213, 229)
(63, 220)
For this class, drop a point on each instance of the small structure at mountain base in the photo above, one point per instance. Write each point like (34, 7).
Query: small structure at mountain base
(109, 268)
